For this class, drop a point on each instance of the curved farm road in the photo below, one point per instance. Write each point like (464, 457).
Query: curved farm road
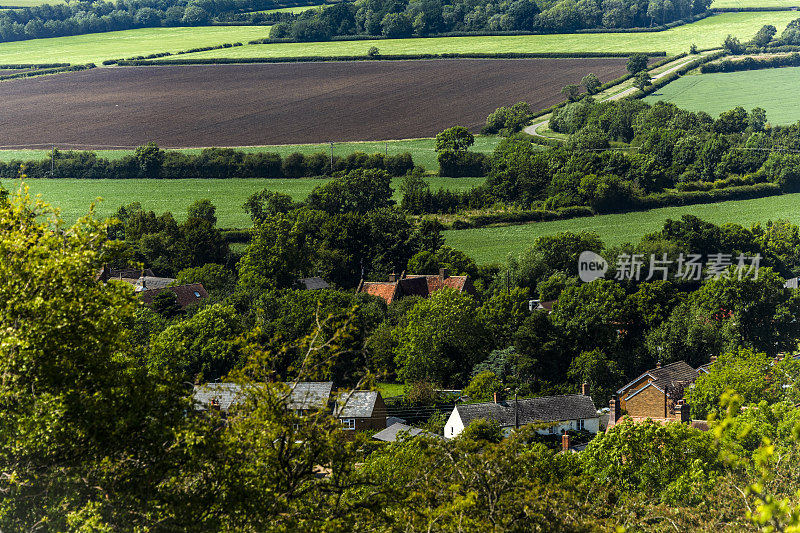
(545, 119)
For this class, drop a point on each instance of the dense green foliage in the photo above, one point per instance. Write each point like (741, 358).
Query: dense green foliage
(149, 161)
(421, 19)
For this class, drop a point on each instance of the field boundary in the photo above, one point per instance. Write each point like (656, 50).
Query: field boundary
(380, 57)
(46, 71)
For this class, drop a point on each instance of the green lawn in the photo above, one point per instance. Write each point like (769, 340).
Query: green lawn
(422, 150)
(74, 196)
(492, 245)
(707, 33)
(96, 47)
(388, 390)
(773, 89)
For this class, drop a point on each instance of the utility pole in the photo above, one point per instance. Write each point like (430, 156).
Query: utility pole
(53, 162)
(331, 157)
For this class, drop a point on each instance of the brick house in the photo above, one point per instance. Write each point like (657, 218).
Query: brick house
(416, 285)
(656, 394)
(361, 410)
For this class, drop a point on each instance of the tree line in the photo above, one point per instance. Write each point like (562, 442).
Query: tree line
(149, 161)
(434, 17)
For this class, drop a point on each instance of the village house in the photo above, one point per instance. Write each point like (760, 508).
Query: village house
(184, 294)
(361, 410)
(559, 414)
(416, 285)
(304, 396)
(656, 394)
(398, 430)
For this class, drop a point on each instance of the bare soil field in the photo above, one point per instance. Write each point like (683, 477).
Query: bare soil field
(256, 104)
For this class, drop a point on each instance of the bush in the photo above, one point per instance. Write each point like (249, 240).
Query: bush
(463, 164)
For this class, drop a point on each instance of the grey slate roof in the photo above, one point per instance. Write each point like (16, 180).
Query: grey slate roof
(530, 410)
(356, 404)
(390, 434)
(226, 394)
(152, 282)
(313, 284)
(310, 394)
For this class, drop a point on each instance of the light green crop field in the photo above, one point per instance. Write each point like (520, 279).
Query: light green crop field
(720, 4)
(96, 47)
(422, 150)
(775, 90)
(493, 244)
(73, 196)
(706, 33)
(27, 3)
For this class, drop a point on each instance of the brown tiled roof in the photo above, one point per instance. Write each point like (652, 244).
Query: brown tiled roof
(385, 290)
(186, 294)
(416, 285)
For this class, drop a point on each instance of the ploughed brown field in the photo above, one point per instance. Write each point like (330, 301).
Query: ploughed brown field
(255, 104)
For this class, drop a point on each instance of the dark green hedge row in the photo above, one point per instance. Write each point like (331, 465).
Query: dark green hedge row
(520, 217)
(33, 65)
(652, 201)
(751, 63)
(236, 235)
(649, 29)
(43, 71)
(674, 198)
(165, 54)
(216, 163)
(388, 57)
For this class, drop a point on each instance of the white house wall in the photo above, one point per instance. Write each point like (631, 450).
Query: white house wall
(454, 425)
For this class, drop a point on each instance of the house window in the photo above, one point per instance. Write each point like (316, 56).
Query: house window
(349, 423)
(196, 294)
(581, 425)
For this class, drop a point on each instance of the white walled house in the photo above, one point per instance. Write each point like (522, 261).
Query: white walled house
(571, 411)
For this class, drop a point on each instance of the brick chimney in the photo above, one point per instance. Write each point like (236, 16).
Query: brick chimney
(658, 364)
(443, 274)
(565, 442)
(614, 411)
(496, 398)
(585, 389)
(683, 412)
(392, 277)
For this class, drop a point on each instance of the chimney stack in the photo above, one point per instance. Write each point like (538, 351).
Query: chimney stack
(392, 277)
(613, 411)
(658, 364)
(496, 400)
(585, 389)
(443, 274)
(713, 359)
(565, 442)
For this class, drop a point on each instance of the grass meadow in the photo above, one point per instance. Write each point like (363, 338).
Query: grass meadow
(493, 244)
(97, 47)
(707, 33)
(775, 90)
(73, 196)
(721, 4)
(422, 150)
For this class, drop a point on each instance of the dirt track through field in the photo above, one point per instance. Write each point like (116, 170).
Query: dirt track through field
(240, 105)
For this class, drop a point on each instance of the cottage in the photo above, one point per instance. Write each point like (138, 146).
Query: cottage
(562, 413)
(361, 410)
(303, 397)
(185, 294)
(416, 285)
(656, 394)
(307, 396)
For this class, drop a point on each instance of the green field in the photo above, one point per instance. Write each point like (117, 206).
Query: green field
(706, 33)
(27, 3)
(73, 196)
(775, 90)
(492, 245)
(96, 47)
(422, 150)
(720, 4)
(295, 9)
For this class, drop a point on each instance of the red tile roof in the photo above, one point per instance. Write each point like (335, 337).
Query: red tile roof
(416, 285)
(186, 294)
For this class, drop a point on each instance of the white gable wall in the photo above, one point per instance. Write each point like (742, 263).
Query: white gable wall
(454, 425)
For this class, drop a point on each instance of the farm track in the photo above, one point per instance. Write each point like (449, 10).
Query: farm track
(246, 105)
